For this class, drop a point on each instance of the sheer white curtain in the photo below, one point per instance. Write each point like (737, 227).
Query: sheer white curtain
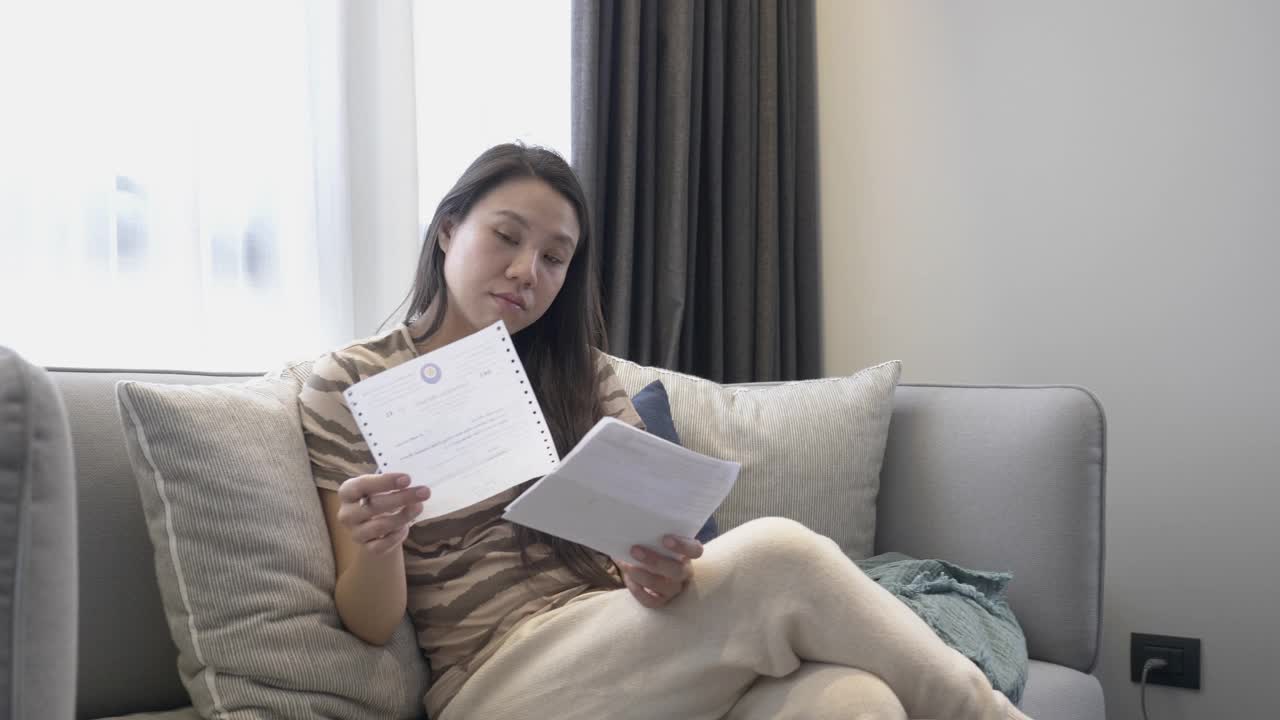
(431, 85)
(488, 72)
(172, 189)
(226, 184)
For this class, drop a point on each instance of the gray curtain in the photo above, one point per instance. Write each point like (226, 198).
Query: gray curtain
(694, 127)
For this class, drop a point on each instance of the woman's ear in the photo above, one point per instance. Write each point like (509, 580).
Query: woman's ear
(445, 234)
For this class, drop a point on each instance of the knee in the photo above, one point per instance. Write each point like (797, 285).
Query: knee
(781, 542)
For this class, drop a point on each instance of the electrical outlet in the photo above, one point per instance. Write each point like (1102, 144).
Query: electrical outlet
(1181, 654)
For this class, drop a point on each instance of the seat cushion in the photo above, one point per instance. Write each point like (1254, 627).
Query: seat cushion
(810, 450)
(1053, 692)
(1056, 692)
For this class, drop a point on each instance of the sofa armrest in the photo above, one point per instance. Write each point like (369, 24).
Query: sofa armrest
(1006, 478)
(38, 564)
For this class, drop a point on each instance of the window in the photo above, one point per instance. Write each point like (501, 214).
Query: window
(158, 188)
(487, 72)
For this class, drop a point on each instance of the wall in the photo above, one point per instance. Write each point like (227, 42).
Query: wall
(1084, 192)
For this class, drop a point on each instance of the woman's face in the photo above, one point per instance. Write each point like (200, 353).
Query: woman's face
(508, 258)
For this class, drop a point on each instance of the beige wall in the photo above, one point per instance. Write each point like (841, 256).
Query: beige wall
(1085, 192)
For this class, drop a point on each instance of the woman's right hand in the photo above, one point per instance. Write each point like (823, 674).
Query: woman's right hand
(381, 522)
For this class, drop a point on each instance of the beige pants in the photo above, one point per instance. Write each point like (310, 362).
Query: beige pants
(776, 623)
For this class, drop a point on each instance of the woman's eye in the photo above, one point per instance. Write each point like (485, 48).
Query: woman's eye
(554, 260)
(504, 237)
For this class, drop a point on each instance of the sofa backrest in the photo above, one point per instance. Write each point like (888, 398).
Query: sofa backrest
(127, 661)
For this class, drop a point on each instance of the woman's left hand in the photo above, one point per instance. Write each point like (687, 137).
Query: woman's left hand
(655, 579)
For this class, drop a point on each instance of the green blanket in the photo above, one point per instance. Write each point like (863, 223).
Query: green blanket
(967, 608)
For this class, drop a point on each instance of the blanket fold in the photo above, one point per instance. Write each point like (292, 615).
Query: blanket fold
(966, 608)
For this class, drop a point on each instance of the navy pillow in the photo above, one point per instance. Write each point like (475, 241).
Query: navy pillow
(654, 408)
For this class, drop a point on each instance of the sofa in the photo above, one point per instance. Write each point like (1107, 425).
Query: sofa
(996, 477)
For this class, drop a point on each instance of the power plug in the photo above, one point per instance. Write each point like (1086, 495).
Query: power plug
(1178, 660)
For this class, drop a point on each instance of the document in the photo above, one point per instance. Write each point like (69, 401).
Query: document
(621, 486)
(461, 420)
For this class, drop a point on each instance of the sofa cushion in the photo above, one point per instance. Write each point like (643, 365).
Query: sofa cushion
(810, 450)
(1058, 692)
(244, 560)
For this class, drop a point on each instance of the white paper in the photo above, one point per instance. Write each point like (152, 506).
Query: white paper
(461, 420)
(622, 486)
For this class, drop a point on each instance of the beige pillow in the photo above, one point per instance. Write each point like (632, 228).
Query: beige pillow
(810, 450)
(244, 561)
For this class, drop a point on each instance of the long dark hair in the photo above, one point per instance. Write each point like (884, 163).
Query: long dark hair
(557, 349)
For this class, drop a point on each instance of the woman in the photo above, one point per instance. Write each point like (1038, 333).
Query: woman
(771, 620)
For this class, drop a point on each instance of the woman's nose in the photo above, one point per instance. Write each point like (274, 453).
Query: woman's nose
(524, 268)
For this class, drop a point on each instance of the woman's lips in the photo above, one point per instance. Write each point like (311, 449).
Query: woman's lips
(509, 300)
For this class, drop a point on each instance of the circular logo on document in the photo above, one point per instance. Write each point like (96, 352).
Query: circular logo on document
(430, 373)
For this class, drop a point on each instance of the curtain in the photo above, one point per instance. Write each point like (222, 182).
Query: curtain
(694, 134)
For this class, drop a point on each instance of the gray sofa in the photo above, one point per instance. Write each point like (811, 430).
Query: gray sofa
(988, 477)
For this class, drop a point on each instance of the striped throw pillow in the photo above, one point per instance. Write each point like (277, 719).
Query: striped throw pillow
(811, 450)
(244, 561)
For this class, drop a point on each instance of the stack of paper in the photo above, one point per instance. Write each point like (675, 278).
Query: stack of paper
(622, 487)
(464, 421)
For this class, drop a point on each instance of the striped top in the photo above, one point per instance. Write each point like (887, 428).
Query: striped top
(467, 586)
